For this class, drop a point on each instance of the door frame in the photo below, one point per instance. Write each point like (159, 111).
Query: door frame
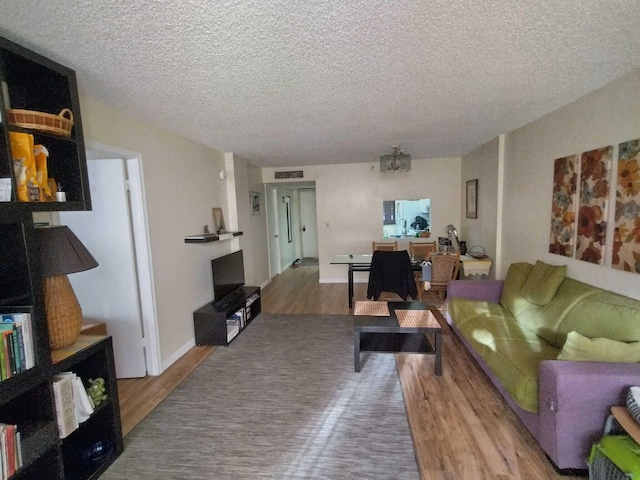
(141, 245)
(273, 239)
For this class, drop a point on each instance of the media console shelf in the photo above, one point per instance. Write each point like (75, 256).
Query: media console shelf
(217, 325)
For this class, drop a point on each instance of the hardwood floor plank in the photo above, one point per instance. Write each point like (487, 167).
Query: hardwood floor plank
(462, 428)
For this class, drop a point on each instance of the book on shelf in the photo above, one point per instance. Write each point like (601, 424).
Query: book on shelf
(65, 408)
(83, 404)
(16, 350)
(252, 299)
(232, 331)
(11, 450)
(73, 405)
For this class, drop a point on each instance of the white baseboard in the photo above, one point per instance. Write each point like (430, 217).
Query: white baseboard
(178, 354)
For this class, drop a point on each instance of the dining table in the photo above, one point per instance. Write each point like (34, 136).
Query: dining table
(361, 262)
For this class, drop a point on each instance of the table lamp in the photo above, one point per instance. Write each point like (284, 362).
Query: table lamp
(62, 253)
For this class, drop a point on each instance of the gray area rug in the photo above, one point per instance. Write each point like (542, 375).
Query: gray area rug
(281, 402)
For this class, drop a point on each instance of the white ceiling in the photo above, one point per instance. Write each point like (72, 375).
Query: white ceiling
(297, 82)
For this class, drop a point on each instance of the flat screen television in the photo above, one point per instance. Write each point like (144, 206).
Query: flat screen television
(228, 276)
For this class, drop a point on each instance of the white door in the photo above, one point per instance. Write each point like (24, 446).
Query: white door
(109, 292)
(309, 219)
(272, 231)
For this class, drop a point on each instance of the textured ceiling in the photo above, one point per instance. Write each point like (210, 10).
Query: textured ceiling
(295, 82)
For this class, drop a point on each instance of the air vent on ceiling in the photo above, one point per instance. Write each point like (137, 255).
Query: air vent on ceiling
(290, 174)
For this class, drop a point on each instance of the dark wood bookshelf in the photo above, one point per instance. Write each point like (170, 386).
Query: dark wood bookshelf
(31, 81)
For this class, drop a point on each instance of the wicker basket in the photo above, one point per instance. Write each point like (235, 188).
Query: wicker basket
(46, 122)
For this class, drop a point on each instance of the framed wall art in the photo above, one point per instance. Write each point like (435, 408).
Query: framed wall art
(591, 224)
(626, 236)
(472, 198)
(218, 220)
(254, 200)
(563, 205)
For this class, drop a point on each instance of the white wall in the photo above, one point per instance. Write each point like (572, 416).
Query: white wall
(182, 185)
(349, 204)
(248, 178)
(481, 164)
(605, 117)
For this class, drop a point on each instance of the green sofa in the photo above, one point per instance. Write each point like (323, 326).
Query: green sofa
(546, 341)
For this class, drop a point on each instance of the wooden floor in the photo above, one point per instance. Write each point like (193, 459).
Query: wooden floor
(461, 427)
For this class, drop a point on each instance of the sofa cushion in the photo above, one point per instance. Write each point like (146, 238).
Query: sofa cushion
(545, 320)
(584, 349)
(603, 314)
(511, 351)
(511, 297)
(543, 282)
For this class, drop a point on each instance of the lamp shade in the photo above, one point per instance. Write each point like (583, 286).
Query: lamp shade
(61, 251)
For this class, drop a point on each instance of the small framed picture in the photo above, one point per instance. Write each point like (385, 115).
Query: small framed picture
(472, 198)
(254, 198)
(218, 220)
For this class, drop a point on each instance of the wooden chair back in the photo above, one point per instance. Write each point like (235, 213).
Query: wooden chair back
(420, 251)
(387, 246)
(444, 267)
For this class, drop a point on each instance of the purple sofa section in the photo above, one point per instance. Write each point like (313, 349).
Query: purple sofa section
(575, 398)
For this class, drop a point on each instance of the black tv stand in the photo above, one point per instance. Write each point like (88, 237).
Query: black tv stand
(213, 323)
(231, 298)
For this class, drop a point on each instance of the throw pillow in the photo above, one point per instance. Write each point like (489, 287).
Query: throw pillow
(633, 403)
(541, 286)
(582, 349)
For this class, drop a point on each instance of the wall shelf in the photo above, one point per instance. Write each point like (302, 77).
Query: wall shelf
(210, 237)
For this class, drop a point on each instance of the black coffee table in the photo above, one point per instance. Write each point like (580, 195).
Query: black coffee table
(386, 334)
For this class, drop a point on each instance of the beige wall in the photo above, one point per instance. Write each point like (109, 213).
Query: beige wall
(481, 164)
(182, 185)
(248, 178)
(349, 204)
(605, 117)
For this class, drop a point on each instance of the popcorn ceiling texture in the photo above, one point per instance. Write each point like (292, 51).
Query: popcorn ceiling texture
(288, 82)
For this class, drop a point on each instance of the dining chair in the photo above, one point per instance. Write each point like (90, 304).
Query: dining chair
(391, 272)
(388, 246)
(444, 267)
(420, 251)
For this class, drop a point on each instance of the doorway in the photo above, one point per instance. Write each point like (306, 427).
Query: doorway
(309, 222)
(120, 291)
(302, 238)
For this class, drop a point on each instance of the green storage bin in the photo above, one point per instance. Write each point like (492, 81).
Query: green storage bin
(615, 457)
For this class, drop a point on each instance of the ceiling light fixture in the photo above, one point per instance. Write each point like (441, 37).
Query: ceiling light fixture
(398, 161)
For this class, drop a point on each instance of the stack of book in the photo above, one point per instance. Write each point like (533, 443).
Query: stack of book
(11, 455)
(16, 347)
(73, 404)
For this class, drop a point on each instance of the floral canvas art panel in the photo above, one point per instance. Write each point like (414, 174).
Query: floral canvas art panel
(626, 237)
(592, 209)
(563, 206)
